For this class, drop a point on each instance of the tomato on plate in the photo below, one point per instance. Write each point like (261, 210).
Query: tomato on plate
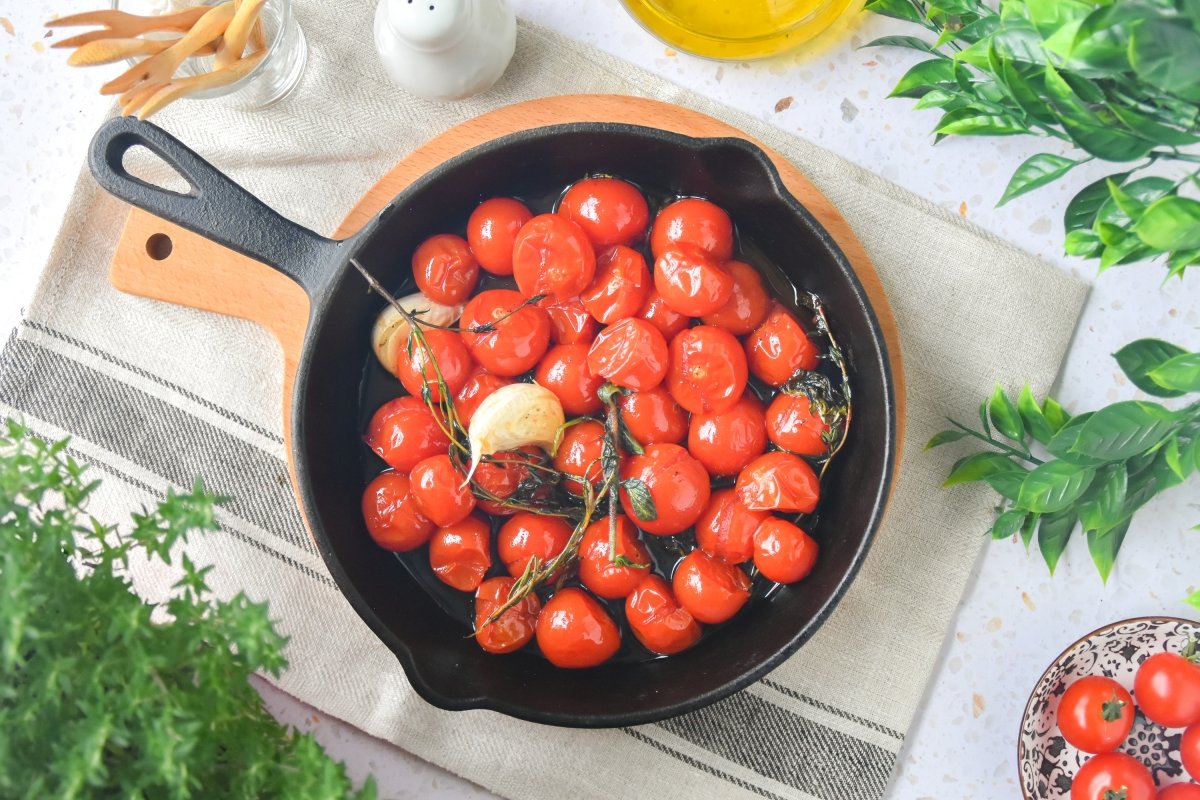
(1110, 776)
(691, 282)
(653, 417)
(564, 370)
(492, 230)
(1095, 714)
(621, 287)
(710, 589)
(575, 631)
(694, 222)
(451, 356)
(1167, 688)
(656, 311)
(1180, 791)
(514, 628)
(598, 572)
(579, 454)
(657, 620)
(631, 353)
(553, 256)
(726, 528)
(1189, 750)
(527, 535)
(779, 347)
(779, 482)
(783, 552)
(726, 442)
(480, 383)
(392, 516)
(793, 425)
(748, 303)
(445, 269)
(404, 431)
(677, 483)
(570, 323)
(708, 370)
(460, 554)
(500, 477)
(440, 491)
(518, 340)
(610, 211)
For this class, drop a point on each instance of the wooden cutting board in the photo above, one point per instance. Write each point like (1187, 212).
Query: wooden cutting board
(157, 259)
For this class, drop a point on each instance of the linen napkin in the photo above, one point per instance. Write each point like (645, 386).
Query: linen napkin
(155, 394)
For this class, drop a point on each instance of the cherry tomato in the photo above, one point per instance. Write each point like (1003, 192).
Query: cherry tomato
(726, 528)
(1167, 688)
(492, 231)
(726, 442)
(610, 211)
(403, 432)
(565, 371)
(678, 485)
(1180, 791)
(1095, 714)
(690, 282)
(1113, 775)
(631, 353)
(514, 628)
(460, 554)
(479, 385)
(439, 491)
(500, 480)
(653, 417)
(444, 269)
(779, 347)
(657, 619)
(656, 311)
(392, 516)
(553, 256)
(748, 303)
(452, 359)
(597, 571)
(621, 287)
(579, 454)
(708, 370)
(778, 482)
(570, 323)
(783, 552)
(519, 339)
(794, 426)
(1189, 751)
(695, 222)
(527, 535)
(575, 631)
(711, 590)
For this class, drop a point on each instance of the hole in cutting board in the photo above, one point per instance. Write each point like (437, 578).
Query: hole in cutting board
(159, 246)
(141, 163)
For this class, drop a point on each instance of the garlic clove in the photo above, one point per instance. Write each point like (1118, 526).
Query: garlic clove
(513, 416)
(391, 330)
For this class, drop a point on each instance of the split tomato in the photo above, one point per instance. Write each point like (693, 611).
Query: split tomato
(564, 371)
(726, 528)
(527, 535)
(515, 335)
(439, 491)
(404, 431)
(726, 442)
(445, 349)
(711, 590)
(631, 353)
(392, 516)
(653, 417)
(779, 482)
(579, 454)
(657, 620)
(783, 552)
(656, 311)
(570, 322)
(553, 256)
(708, 370)
(748, 303)
(795, 426)
(779, 347)
(621, 287)
(445, 269)
(691, 282)
(513, 629)
(460, 554)
(479, 385)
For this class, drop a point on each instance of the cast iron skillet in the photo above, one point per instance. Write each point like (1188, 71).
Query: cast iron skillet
(443, 665)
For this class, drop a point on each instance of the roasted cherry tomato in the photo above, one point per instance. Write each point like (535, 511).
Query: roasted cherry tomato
(748, 303)
(656, 311)
(678, 485)
(726, 528)
(392, 516)
(452, 358)
(1167, 688)
(793, 425)
(444, 269)
(500, 480)
(492, 231)
(404, 432)
(439, 490)
(691, 282)
(527, 535)
(726, 442)
(1113, 776)
(575, 631)
(710, 589)
(653, 417)
(778, 482)
(1095, 714)
(1180, 791)
(570, 323)
(1189, 751)
(553, 256)
(694, 222)
(460, 554)
(514, 628)
(783, 552)
(657, 619)
(519, 339)
(779, 347)
(621, 287)
(610, 211)
(564, 370)
(598, 572)
(579, 454)
(479, 385)
(631, 353)
(708, 370)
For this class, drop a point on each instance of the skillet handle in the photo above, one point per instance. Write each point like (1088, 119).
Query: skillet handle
(214, 207)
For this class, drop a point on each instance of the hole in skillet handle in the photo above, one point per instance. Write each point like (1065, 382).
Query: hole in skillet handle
(159, 246)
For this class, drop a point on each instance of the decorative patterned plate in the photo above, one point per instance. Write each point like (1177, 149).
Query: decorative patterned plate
(1045, 760)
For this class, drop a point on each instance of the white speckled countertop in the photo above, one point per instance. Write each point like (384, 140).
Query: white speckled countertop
(1015, 618)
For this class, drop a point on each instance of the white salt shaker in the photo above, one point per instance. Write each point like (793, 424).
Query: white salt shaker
(445, 49)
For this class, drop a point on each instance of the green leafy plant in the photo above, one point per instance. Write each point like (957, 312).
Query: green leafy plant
(1119, 80)
(101, 698)
(1056, 473)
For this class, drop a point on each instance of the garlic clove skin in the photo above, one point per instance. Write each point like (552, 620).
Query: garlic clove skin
(391, 330)
(514, 416)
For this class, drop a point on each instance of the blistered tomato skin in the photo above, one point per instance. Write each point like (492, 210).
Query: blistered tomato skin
(691, 282)
(708, 370)
(517, 342)
(784, 552)
(527, 535)
(609, 210)
(657, 620)
(621, 287)
(449, 353)
(694, 222)
(632, 354)
(726, 442)
(460, 554)
(653, 417)
(793, 425)
(778, 481)
(574, 631)
(445, 269)
(579, 454)
(479, 385)
(492, 231)
(726, 528)
(392, 516)
(779, 347)
(500, 480)
(404, 432)
(668, 321)
(711, 590)
(597, 571)
(514, 628)
(677, 483)
(553, 256)
(748, 303)
(570, 322)
(439, 492)
(565, 371)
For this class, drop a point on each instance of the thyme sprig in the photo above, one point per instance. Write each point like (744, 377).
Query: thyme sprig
(831, 403)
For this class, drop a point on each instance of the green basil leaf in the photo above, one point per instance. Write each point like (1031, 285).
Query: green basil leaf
(1055, 414)
(1028, 528)
(972, 121)
(1165, 53)
(1082, 243)
(641, 499)
(945, 437)
(897, 9)
(924, 76)
(910, 42)
(977, 467)
(1104, 547)
(1008, 523)
(1105, 502)
(1138, 359)
(1121, 430)
(1181, 373)
(1055, 485)
(1053, 534)
(1031, 414)
(1005, 416)
(1083, 208)
(1034, 172)
(1171, 223)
